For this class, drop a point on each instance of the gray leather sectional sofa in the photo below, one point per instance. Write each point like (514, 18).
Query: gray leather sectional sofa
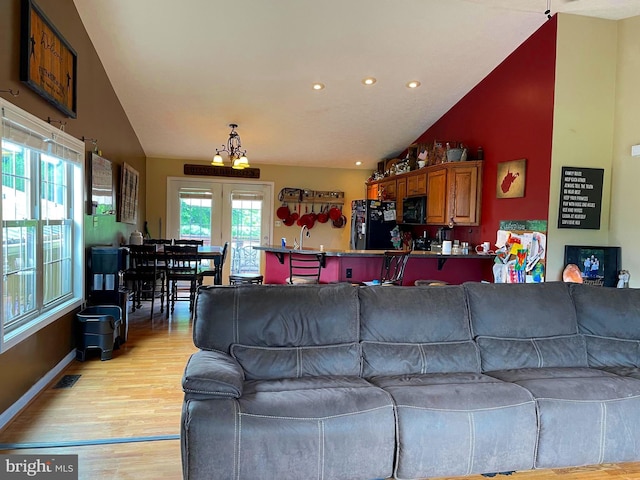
(342, 382)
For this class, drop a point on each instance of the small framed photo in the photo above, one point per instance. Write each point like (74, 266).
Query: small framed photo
(511, 179)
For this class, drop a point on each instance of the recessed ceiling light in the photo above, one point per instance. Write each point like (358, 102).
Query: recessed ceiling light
(358, 163)
(318, 86)
(369, 81)
(413, 84)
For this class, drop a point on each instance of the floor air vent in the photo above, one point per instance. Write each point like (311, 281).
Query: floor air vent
(67, 381)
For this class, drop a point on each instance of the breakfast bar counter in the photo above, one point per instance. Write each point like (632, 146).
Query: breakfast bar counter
(364, 265)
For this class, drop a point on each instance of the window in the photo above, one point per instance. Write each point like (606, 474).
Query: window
(42, 224)
(195, 215)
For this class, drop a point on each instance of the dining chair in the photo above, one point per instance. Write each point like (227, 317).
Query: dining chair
(216, 271)
(144, 276)
(305, 268)
(157, 241)
(181, 267)
(188, 241)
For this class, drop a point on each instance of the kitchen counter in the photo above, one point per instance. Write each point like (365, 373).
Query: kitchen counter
(364, 265)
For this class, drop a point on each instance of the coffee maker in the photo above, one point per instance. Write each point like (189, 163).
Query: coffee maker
(422, 243)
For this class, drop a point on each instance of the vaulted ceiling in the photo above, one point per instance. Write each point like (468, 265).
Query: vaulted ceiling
(184, 70)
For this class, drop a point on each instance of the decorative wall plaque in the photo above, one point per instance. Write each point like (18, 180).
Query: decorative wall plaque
(216, 171)
(511, 179)
(48, 64)
(580, 198)
(129, 185)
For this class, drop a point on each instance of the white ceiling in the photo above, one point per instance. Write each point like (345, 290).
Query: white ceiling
(183, 70)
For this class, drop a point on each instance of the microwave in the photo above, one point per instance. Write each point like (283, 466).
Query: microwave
(414, 210)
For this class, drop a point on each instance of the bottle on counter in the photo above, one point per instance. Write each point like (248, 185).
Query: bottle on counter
(480, 154)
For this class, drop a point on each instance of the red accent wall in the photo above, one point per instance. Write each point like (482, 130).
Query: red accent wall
(509, 114)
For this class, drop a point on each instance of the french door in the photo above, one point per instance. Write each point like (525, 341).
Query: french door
(222, 211)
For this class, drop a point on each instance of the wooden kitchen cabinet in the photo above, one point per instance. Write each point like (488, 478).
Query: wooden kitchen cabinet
(372, 191)
(453, 190)
(388, 189)
(454, 193)
(465, 193)
(417, 184)
(401, 192)
(437, 196)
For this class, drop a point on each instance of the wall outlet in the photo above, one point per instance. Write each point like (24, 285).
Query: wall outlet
(635, 151)
(349, 273)
(278, 223)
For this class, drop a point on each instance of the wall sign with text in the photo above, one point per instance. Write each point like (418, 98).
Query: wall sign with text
(48, 64)
(580, 198)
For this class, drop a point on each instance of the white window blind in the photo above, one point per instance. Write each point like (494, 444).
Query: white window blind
(42, 224)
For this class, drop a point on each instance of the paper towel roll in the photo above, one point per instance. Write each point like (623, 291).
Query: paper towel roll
(446, 247)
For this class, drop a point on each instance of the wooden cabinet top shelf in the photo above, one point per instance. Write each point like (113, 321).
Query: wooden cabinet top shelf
(425, 170)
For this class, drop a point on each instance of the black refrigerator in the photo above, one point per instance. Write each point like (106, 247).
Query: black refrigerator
(371, 224)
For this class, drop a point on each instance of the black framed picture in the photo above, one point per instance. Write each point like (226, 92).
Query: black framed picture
(48, 64)
(598, 265)
(128, 203)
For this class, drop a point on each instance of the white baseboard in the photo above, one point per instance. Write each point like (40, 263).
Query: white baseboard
(24, 400)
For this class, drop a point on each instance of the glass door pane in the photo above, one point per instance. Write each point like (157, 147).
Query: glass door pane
(195, 215)
(246, 231)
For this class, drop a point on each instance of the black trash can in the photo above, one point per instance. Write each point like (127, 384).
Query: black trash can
(99, 327)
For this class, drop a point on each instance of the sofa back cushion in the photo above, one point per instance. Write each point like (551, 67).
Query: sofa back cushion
(386, 358)
(296, 362)
(525, 325)
(415, 330)
(275, 316)
(509, 353)
(610, 320)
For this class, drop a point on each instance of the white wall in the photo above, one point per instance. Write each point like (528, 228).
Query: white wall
(625, 191)
(583, 123)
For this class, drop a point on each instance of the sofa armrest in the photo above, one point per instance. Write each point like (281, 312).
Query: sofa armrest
(213, 373)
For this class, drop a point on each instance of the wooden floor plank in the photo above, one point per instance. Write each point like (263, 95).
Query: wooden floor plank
(138, 394)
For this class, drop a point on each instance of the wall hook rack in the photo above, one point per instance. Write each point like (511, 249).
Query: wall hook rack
(60, 122)
(10, 91)
(94, 142)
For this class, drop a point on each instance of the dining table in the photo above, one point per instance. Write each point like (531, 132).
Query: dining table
(210, 253)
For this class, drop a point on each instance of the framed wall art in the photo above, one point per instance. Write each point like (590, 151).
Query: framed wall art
(129, 183)
(101, 198)
(511, 179)
(48, 64)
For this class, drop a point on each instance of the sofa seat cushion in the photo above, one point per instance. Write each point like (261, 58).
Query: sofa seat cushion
(336, 426)
(587, 416)
(460, 424)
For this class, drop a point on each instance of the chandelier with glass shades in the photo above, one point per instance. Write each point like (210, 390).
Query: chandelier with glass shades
(237, 155)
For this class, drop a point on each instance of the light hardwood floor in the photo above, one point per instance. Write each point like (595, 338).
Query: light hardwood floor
(135, 398)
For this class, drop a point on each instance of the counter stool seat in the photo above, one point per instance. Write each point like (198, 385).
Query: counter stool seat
(245, 278)
(429, 283)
